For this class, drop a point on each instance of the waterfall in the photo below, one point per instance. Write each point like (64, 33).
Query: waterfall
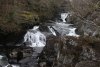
(64, 16)
(37, 40)
(72, 32)
(35, 37)
(1, 56)
(63, 28)
(52, 30)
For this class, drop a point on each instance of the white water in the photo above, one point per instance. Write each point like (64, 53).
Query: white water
(1, 57)
(35, 37)
(72, 32)
(52, 30)
(4, 62)
(64, 16)
(63, 28)
(12, 65)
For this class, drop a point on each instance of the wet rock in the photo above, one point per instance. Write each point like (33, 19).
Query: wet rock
(63, 51)
(42, 64)
(16, 53)
(9, 66)
(3, 60)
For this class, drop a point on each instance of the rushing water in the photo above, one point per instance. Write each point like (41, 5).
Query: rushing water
(37, 39)
(64, 29)
(4, 62)
(64, 16)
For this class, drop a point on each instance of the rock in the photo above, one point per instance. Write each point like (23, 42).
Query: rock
(88, 64)
(87, 53)
(9, 66)
(42, 64)
(63, 51)
(85, 15)
(3, 60)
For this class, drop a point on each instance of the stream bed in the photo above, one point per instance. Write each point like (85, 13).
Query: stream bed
(35, 41)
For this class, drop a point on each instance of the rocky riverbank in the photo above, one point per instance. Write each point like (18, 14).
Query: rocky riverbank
(68, 30)
(71, 52)
(23, 15)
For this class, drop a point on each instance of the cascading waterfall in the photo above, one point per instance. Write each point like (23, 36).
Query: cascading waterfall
(35, 37)
(63, 28)
(37, 40)
(72, 32)
(64, 16)
(52, 30)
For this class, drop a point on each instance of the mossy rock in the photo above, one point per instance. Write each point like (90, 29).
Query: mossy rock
(29, 15)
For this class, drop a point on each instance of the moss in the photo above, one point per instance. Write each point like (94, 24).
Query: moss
(26, 15)
(20, 12)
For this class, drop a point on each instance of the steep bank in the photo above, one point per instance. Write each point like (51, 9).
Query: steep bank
(62, 45)
(17, 16)
(71, 52)
(86, 16)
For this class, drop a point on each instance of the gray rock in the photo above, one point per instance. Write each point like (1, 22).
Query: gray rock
(88, 64)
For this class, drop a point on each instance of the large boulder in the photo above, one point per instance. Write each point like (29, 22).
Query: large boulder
(69, 51)
(86, 16)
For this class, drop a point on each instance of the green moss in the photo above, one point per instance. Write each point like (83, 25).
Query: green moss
(26, 12)
(29, 15)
